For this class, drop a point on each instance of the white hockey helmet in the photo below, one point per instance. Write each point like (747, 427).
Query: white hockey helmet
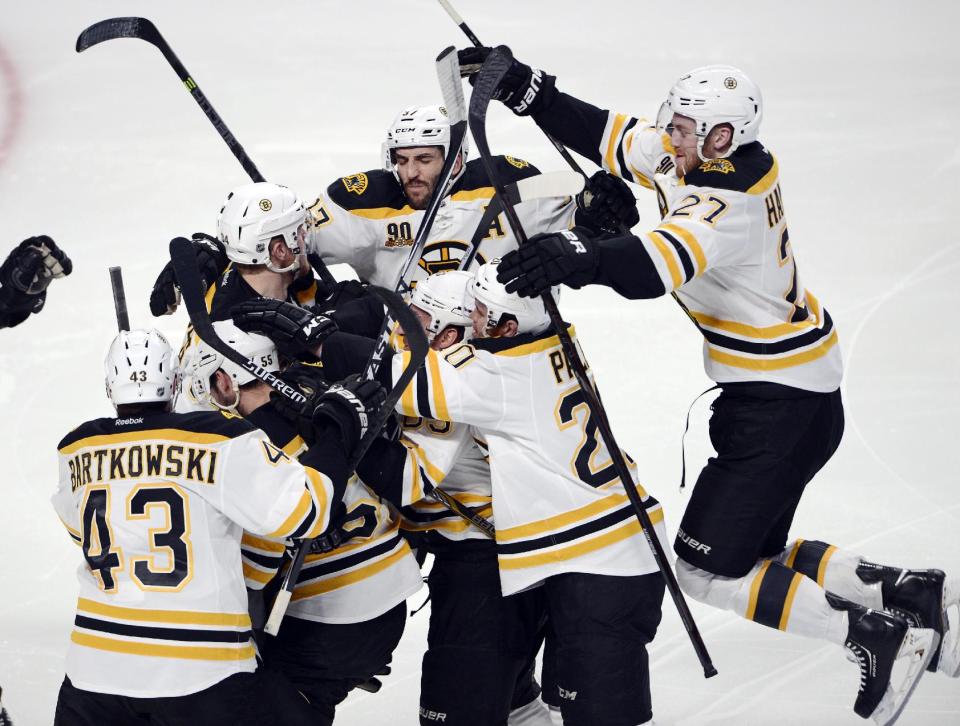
(445, 297)
(714, 95)
(420, 126)
(206, 361)
(140, 367)
(253, 215)
(530, 314)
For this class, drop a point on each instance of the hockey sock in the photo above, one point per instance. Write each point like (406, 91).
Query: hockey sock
(835, 570)
(770, 594)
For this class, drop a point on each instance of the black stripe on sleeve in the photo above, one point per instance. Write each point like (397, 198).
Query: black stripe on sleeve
(780, 346)
(809, 556)
(307, 522)
(423, 394)
(688, 269)
(621, 159)
(312, 572)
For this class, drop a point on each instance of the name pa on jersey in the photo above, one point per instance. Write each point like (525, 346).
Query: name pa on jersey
(153, 460)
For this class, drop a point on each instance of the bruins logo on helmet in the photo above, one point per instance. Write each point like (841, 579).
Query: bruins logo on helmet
(730, 82)
(356, 183)
(266, 205)
(444, 255)
(724, 166)
(519, 163)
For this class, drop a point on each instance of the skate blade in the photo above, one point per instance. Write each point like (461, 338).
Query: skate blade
(950, 648)
(917, 649)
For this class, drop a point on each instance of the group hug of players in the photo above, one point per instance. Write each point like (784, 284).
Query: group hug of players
(186, 506)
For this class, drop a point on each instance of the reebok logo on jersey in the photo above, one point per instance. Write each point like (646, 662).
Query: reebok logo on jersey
(690, 542)
(433, 715)
(566, 695)
(127, 421)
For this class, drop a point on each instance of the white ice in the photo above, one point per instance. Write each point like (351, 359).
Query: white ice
(113, 158)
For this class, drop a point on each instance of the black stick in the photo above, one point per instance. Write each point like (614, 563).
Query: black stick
(489, 77)
(567, 157)
(145, 30)
(119, 299)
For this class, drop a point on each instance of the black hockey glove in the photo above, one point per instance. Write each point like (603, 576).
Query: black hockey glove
(569, 257)
(524, 90)
(212, 261)
(346, 408)
(296, 331)
(607, 204)
(25, 275)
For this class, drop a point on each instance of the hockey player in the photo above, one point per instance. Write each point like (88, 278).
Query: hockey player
(369, 219)
(157, 502)
(723, 248)
(564, 526)
(348, 608)
(25, 275)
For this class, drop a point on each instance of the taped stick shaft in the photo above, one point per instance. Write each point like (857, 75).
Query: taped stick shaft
(119, 299)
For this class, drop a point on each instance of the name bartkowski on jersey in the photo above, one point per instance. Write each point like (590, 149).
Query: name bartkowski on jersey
(128, 462)
(690, 542)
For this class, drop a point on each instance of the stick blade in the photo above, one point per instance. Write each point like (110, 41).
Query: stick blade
(115, 28)
(550, 184)
(451, 85)
(492, 71)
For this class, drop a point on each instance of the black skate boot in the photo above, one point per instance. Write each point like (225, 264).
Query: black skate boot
(915, 595)
(876, 640)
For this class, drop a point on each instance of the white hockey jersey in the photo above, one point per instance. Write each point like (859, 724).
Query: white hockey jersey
(365, 577)
(365, 221)
(724, 248)
(459, 463)
(558, 503)
(158, 505)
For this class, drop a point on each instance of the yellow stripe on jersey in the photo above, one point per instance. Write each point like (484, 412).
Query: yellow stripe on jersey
(180, 617)
(751, 331)
(537, 346)
(348, 578)
(767, 180)
(792, 557)
(347, 548)
(294, 446)
(267, 545)
(788, 603)
(692, 243)
(468, 195)
(773, 364)
(406, 400)
(639, 176)
(755, 590)
(822, 569)
(611, 156)
(562, 521)
(668, 255)
(436, 388)
(191, 652)
(318, 483)
(627, 529)
(188, 437)
(296, 516)
(251, 573)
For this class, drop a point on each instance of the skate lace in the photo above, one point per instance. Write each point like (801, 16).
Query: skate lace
(856, 654)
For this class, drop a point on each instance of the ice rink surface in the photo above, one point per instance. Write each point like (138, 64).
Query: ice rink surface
(107, 153)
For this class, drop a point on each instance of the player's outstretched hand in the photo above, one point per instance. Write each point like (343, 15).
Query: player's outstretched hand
(607, 204)
(25, 275)
(297, 332)
(212, 261)
(569, 257)
(524, 90)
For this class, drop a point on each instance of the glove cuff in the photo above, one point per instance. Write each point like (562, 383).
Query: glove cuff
(537, 97)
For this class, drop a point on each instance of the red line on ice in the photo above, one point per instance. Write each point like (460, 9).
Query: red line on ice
(14, 104)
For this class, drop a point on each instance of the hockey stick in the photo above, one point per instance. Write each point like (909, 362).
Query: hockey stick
(455, 16)
(119, 299)
(145, 30)
(489, 77)
(541, 186)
